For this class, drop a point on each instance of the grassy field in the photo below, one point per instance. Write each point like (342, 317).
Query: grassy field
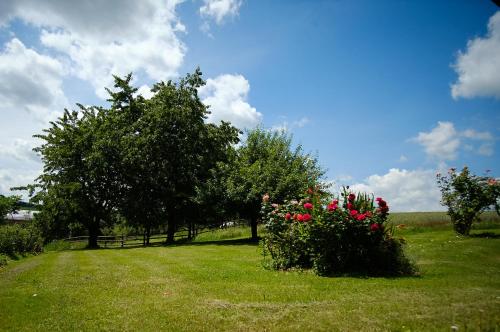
(218, 283)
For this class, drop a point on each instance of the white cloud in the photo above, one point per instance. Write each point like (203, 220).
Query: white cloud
(486, 149)
(403, 159)
(477, 135)
(11, 177)
(441, 143)
(145, 91)
(109, 37)
(219, 10)
(30, 81)
(286, 126)
(404, 190)
(478, 68)
(227, 97)
(19, 150)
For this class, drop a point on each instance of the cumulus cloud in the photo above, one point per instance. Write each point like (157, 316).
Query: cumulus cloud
(227, 97)
(30, 81)
(478, 67)
(219, 10)
(20, 150)
(404, 190)
(109, 37)
(145, 91)
(443, 142)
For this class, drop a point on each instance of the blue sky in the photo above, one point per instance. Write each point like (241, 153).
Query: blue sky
(386, 93)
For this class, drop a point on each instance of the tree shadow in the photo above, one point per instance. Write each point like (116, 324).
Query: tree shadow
(178, 243)
(224, 242)
(487, 235)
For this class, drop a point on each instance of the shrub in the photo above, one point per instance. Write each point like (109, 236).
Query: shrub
(3, 260)
(467, 195)
(17, 239)
(333, 236)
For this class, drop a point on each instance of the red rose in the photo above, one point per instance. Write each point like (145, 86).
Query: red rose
(368, 214)
(306, 217)
(354, 212)
(382, 203)
(378, 199)
(374, 227)
(332, 207)
(288, 216)
(351, 197)
(361, 217)
(299, 217)
(308, 206)
(350, 206)
(335, 202)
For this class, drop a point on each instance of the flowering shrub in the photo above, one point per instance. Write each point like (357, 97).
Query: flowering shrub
(333, 236)
(466, 196)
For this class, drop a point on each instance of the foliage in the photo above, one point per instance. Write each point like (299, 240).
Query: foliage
(467, 195)
(141, 159)
(3, 260)
(267, 163)
(333, 236)
(19, 239)
(8, 204)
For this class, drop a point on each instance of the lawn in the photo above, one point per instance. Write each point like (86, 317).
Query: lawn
(221, 285)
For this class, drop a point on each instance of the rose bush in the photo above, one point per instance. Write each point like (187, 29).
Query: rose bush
(333, 235)
(467, 195)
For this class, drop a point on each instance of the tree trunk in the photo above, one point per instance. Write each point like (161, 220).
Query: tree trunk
(190, 231)
(148, 234)
(93, 233)
(253, 225)
(171, 227)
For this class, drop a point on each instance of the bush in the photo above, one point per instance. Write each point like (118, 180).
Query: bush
(467, 195)
(3, 260)
(17, 239)
(333, 236)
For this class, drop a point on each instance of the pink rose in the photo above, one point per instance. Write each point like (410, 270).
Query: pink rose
(308, 206)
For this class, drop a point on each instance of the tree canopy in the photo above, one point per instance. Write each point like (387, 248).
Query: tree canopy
(141, 158)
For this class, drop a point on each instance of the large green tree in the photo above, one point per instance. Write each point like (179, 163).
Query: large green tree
(267, 163)
(78, 179)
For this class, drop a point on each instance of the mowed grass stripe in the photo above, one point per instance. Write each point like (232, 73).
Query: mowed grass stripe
(204, 287)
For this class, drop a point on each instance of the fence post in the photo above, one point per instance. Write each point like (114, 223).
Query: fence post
(122, 240)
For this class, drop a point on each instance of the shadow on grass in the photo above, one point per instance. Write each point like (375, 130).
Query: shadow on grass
(178, 243)
(487, 235)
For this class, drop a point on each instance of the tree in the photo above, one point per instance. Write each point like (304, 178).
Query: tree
(78, 175)
(467, 195)
(268, 164)
(167, 150)
(8, 204)
(142, 158)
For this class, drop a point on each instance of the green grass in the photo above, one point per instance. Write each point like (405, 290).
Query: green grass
(210, 285)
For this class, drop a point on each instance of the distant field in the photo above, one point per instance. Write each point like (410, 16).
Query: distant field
(489, 219)
(218, 283)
